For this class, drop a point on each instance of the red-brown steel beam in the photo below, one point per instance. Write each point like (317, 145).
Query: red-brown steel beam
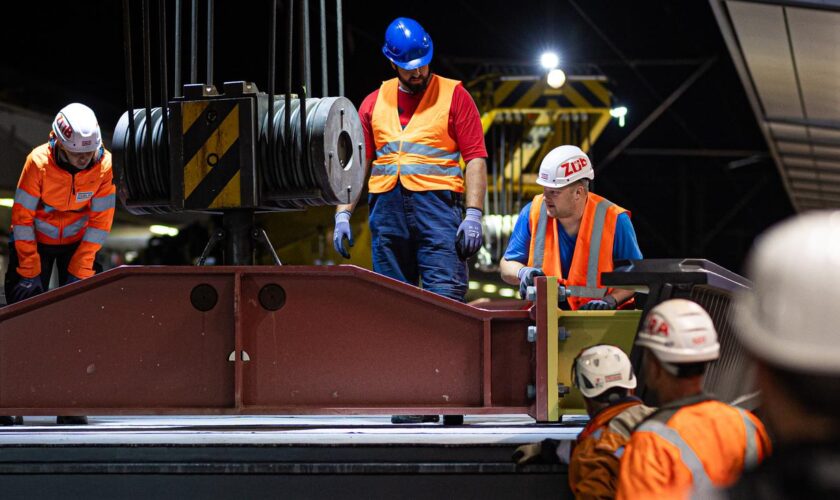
(303, 340)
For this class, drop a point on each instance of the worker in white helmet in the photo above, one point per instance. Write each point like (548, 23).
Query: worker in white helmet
(63, 207)
(571, 233)
(604, 376)
(62, 212)
(692, 442)
(789, 322)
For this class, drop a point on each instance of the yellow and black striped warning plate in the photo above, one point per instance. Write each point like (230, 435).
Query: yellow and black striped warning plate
(212, 144)
(537, 94)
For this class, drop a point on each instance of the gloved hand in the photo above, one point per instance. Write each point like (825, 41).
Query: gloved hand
(71, 279)
(526, 277)
(468, 238)
(27, 287)
(544, 452)
(608, 303)
(342, 232)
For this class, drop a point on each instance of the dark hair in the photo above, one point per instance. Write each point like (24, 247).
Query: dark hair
(688, 370)
(818, 394)
(612, 395)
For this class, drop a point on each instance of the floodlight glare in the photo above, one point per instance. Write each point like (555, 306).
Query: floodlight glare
(620, 113)
(556, 78)
(549, 60)
(163, 230)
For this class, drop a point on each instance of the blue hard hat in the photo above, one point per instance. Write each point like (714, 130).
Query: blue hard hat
(407, 44)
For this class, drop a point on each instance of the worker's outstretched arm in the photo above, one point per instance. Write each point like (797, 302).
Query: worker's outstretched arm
(475, 177)
(342, 229)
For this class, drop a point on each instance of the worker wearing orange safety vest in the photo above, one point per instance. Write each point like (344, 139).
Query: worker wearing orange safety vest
(789, 327)
(693, 442)
(571, 233)
(425, 209)
(63, 206)
(604, 376)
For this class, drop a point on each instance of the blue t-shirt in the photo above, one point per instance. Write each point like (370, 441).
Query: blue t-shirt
(625, 245)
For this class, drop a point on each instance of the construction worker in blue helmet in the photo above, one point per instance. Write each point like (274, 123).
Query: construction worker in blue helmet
(425, 204)
(428, 174)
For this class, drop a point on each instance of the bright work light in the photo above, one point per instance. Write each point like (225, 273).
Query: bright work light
(549, 60)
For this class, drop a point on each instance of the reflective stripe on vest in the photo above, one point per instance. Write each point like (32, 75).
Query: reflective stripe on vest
(751, 449)
(539, 244)
(103, 203)
(24, 233)
(422, 169)
(46, 228)
(689, 458)
(94, 235)
(591, 290)
(417, 149)
(74, 228)
(26, 200)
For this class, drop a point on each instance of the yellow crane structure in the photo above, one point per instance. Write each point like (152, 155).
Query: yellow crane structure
(523, 118)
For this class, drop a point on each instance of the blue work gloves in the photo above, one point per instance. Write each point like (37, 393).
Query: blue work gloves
(26, 288)
(71, 279)
(342, 232)
(608, 303)
(468, 238)
(526, 277)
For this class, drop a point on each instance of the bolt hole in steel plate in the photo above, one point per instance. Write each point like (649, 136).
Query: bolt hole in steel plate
(272, 297)
(204, 297)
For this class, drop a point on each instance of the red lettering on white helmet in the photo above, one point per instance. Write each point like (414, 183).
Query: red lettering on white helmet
(64, 127)
(656, 326)
(574, 166)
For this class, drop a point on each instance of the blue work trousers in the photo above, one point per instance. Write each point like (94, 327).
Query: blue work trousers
(413, 235)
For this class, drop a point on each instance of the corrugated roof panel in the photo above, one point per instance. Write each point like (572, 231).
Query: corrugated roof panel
(816, 46)
(761, 32)
(825, 134)
(788, 131)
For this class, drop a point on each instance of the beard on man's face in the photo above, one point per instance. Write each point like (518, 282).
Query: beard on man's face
(415, 87)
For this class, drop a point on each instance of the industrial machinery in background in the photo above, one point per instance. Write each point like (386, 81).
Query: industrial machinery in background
(240, 339)
(235, 151)
(524, 116)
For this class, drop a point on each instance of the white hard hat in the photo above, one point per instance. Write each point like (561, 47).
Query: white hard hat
(600, 368)
(791, 316)
(564, 165)
(76, 128)
(679, 331)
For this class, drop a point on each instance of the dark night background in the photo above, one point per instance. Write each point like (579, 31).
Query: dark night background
(684, 205)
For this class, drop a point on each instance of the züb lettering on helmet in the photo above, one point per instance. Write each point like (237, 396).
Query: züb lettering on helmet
(76, 129)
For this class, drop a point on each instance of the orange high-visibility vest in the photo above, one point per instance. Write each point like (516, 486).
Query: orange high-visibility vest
(55, 207)
(422, 156)
(594, 464)
(593, 249)
(696, 443)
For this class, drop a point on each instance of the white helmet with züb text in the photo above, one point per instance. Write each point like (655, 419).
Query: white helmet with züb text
(564, 165)
(76, 129)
